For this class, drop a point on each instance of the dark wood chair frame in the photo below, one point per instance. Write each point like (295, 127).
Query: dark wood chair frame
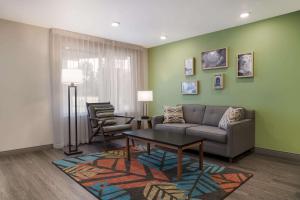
(107, 136)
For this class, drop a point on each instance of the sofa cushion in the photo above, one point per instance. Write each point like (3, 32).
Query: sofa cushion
(176, 128)
(213, 115)
(210, 133)
(193, 113)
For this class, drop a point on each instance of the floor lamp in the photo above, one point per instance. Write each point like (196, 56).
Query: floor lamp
(72, 77)
(145, 97)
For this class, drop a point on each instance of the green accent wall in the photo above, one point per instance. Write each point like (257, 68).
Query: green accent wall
(274, 92)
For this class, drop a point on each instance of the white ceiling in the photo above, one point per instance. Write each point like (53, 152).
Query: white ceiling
(142, 21)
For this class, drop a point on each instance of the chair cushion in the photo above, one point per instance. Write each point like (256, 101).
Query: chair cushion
(102, 114)
(173, 114)
(177, 128)
(211, 133)
(104, 111)
(119, 127)
(109, 122)
(193, 113)
(213, 115)
(100, 111)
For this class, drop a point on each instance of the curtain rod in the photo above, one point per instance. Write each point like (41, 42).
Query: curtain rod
(75, 35)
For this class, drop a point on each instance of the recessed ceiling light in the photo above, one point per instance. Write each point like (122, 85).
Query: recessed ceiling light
(245, 15)
(115, 24)
(163, 37)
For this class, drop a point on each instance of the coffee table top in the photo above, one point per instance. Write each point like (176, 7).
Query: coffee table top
(164, 137)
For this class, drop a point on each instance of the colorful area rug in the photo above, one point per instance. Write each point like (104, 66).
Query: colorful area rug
(109, 176)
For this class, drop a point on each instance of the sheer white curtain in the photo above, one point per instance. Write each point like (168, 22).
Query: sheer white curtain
(112, 71)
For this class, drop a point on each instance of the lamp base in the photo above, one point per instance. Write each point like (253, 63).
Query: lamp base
(145, 117)
(73, 151)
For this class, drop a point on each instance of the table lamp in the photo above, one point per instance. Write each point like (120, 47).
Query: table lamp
(72, 78)
(145, 97)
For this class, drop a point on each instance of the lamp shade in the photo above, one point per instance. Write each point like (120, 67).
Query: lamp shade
(71, 76)
(145, 96)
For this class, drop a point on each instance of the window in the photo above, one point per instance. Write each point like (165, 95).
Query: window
(103, 80)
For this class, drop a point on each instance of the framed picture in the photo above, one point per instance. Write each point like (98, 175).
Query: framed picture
(189, 87)
(189, 68)
(214, 59)
(218, 81)
(245, 65)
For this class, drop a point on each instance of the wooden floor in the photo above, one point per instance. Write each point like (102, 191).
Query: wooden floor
(31, 176)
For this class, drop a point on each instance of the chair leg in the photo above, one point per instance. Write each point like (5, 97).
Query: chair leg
(132, 142)
(90, 139)
(104, 143)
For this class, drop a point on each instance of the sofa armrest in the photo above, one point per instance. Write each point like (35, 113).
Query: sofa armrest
(240, 136)
(157, 120)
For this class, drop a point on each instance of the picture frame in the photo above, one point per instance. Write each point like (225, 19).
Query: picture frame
(214, 59)
(245, 65)
(218, 81)
(190, 87)
(189, 67)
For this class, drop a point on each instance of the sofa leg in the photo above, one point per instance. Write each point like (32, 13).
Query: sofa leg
(230, 160)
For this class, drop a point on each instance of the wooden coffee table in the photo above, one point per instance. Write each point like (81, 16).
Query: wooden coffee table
(169, 140)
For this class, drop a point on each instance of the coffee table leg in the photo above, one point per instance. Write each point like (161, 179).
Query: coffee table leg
(201, 156)
(148, 148)
(128, 148)
(179, 163)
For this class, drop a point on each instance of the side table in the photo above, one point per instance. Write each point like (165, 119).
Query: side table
(140, 120)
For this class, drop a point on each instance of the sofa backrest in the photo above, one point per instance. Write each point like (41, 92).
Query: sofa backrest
(249, 114)
(213, 115)
(193, 113)
(209, 115)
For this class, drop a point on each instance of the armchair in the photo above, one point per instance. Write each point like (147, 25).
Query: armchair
(103, 122)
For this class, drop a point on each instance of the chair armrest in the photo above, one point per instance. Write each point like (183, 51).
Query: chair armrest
(157, 120)
(97, 119)
(121, 116)
(240, 136)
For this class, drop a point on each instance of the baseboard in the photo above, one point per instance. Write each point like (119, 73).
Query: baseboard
(26, 150)
(278, 154)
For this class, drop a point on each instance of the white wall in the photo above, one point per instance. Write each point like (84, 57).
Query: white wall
(25, 115)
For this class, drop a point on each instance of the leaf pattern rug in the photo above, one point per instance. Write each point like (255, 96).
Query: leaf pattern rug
(109, 176)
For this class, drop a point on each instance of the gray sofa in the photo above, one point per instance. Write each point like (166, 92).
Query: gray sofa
(203, 120)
